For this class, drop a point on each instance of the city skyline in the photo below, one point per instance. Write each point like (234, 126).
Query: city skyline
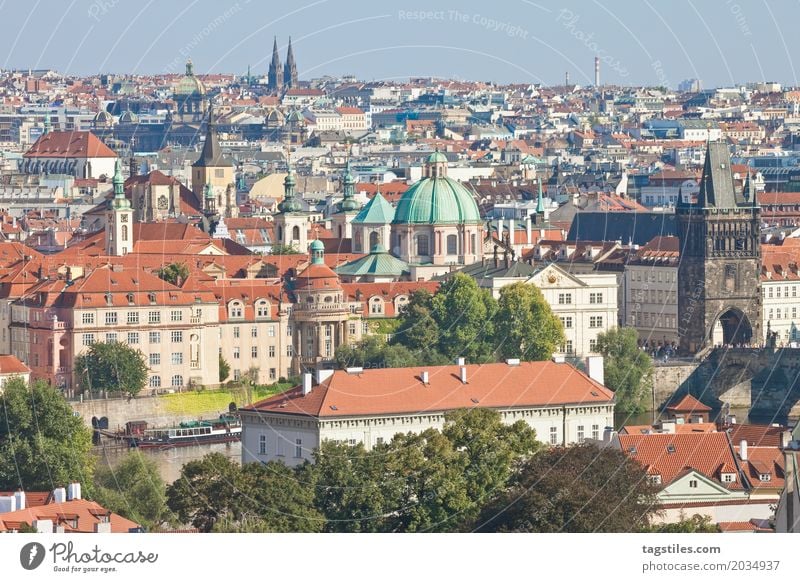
(522, 42)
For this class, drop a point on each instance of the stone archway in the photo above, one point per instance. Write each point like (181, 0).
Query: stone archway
(731, 327)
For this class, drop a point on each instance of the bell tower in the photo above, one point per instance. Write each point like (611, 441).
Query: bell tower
(119, 227)
(719, 289)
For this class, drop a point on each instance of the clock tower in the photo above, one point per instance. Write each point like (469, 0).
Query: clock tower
(119, 220)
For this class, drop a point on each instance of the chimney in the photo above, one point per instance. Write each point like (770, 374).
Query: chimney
(323, 375)
(512, 362)
(59, 495)
(608, 434)
(20, 497)
(43, 525)
(500, 228)
(511, 225)
(306, 383)
(102, 527)
(594, 369)
(425, 377)
(461, 361)
(463, 371)
(8, 503)
(528, 230)
(73, 491)
(743, 450)
(559, 359)
(786, 438)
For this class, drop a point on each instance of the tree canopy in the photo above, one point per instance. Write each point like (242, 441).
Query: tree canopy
(175, 273)
(280, 249)
(112, 366)
(436, 481)
(628, 370)
(43, 445)
(463, 320)
(581, 488)
(134, 489)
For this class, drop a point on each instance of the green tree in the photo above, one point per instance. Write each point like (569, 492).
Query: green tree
(628, 370)
(224, 369)
(112, 366)
(279, 249)
(352, 490)
(42, 443)
(464, 313)
(581, 488)
(526, 327)
(175, 273)
(134, 489)
(493, 449)
(695, 524)
(209, 489)
(417, 330)
(374, 352)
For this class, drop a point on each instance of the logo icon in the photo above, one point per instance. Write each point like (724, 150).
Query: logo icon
(31, 555)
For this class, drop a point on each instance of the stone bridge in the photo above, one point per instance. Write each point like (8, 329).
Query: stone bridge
(765, 380)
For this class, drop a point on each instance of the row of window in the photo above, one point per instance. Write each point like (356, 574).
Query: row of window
(654, 296)
(654, 276)
(133, 337)
(132, 317)
(595, 321)
(569, 348)
(280, 445)
(176, 381)
(782, 313)
(768, 291)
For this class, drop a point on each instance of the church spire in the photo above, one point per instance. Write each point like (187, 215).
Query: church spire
(539, 199)
(290, 71)
(275, 75)
(211, 156)
(348, 190)
(120, 202)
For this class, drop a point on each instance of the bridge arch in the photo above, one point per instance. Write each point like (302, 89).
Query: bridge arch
(731, 327)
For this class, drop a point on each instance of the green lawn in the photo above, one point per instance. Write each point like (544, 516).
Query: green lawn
(206, 402)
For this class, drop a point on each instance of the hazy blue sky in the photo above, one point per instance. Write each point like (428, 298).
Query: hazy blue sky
(641, 41)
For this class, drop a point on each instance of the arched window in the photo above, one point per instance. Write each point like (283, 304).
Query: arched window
(177, 381)
(374, 239)
(422, 244)
(296, 233)
(124, 232)
(376, 305)
(155, 381)
(452, 244)
(235, 309)
(280, 233)
(262, 308)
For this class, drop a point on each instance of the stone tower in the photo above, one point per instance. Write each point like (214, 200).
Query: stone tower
(119, 220)
(213, 169)
(719, 289)
(290, 71)
(275, 74)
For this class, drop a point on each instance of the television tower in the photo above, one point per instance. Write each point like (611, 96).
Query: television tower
(597, 71)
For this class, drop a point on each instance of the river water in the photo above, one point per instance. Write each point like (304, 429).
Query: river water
(170, 461)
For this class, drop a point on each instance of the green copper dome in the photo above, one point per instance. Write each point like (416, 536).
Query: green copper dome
(189, 84)
(437, 157)
(439, 200)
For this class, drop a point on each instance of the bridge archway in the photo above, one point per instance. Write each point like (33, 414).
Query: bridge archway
(731, 327)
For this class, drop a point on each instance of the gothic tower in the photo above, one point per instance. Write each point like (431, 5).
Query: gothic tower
(290, 72)
(719, 289)
(275, 75)
(212, 169)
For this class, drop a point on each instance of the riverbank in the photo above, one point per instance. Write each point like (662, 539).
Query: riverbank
(169, 409)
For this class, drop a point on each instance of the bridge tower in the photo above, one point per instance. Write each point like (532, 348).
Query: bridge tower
(719, 289)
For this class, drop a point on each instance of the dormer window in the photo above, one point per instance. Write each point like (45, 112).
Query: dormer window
(130, 299)
(729, 477)
(654, 479)
(235, 309)
(262, 308)
(152, 298)
(764, 477)
(109, 299)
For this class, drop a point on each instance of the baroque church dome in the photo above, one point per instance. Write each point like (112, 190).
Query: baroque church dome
(437, 199)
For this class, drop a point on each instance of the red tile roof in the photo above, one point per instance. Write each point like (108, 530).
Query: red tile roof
(688, 404)
(69, 144)
(88, 514)
(400, 390)
(12, 365)
(674, 454)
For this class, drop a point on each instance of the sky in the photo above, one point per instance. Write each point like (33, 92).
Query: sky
(639, 42)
